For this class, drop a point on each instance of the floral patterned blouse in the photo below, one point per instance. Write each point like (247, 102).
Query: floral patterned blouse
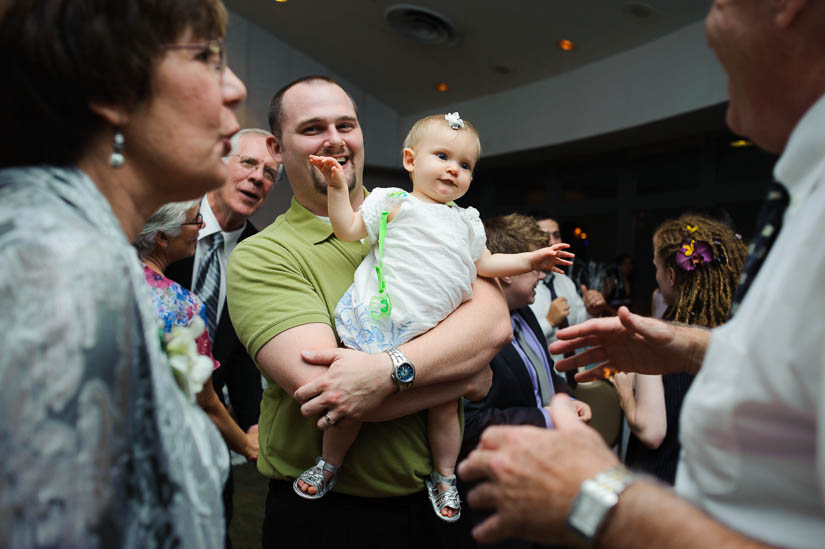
(177, 306)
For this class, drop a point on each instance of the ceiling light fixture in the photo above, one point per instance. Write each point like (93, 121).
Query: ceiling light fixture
(442, 86)
(566, 45)
(739, 143)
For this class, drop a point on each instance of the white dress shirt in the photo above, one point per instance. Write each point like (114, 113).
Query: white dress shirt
(753, 423)
(565, 288)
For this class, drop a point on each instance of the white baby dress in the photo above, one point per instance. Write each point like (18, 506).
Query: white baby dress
(429, 259)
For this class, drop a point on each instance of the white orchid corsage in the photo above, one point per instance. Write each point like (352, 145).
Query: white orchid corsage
(191, 370)
(454, 120)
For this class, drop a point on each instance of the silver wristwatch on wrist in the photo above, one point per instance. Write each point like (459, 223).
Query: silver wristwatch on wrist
(596, 498)
(403, 371)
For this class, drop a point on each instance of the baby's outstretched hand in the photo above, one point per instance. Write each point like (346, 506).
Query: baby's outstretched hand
(549, 258)
(330, 169)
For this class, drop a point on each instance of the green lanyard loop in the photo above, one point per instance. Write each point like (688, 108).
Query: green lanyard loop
(380, 305)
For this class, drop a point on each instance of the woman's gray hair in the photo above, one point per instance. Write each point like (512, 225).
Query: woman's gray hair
(167, 219)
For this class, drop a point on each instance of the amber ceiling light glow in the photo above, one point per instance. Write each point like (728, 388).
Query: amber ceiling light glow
(566, 45)
(442, 86)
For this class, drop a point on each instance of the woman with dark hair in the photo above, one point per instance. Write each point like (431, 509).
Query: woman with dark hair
(698, 262)
(110, 109)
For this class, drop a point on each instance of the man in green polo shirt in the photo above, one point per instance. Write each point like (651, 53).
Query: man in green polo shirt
(283, 285)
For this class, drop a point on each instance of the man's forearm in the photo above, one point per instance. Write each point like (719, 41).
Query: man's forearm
(421, 398)
(466, 341)
(358, 385)
(696, 340)
(453, 358)
(651, 514)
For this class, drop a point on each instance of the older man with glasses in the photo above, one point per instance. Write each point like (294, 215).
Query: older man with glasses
(226, 211)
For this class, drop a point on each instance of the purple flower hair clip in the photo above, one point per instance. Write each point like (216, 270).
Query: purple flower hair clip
(693, 253)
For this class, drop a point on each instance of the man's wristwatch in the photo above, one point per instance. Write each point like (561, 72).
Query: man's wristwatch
(403, 372)
(596, 498)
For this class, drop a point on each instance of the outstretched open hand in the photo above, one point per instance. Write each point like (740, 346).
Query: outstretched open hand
(630, 343)
(548, 259)
(330, 169)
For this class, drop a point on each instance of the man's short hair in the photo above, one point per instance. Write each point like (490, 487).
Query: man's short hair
(417, 130)
(276, 103)
(513, 234)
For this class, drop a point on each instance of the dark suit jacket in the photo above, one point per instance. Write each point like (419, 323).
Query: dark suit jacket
(511, 400)
(238, 372)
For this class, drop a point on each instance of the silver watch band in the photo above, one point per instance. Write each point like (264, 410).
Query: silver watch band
(595, 500)
(398, 358)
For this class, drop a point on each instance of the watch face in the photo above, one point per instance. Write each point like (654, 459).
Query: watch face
(405, 372)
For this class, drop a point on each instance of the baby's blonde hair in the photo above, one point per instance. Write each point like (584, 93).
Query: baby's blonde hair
(417, 130)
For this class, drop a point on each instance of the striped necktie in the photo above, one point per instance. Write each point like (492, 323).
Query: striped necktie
(542, 375)
(769, 223)
(208, 282)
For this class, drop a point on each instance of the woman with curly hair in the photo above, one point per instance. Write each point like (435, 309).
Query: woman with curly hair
(698, 262)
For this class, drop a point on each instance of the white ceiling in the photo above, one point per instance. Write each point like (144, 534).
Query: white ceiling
(500, 44)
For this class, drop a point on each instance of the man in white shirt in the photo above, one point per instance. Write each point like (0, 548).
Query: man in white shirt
(226, 210)
(753, 424)
(557, 303)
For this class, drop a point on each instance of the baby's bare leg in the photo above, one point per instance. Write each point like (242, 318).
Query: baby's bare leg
(337, 441)
(444, 433)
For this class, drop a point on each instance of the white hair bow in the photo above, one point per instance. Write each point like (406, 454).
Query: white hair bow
(454, 120)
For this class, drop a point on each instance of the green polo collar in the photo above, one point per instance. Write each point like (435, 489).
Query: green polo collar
(309, 225)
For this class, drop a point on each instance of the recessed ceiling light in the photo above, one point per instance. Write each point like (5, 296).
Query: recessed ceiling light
(442, 86)
(566, 45)
(281, 1)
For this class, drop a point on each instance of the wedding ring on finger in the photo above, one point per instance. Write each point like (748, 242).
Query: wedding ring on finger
(329, 420)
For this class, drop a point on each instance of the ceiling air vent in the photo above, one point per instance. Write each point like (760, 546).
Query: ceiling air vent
(422, 25)
(638, 10)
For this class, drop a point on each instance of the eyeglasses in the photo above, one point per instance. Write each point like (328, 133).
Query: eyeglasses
(212, 52)
(250, 164)
(197, 221)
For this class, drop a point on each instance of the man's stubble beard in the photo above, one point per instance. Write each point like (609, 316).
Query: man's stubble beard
(320, 183)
